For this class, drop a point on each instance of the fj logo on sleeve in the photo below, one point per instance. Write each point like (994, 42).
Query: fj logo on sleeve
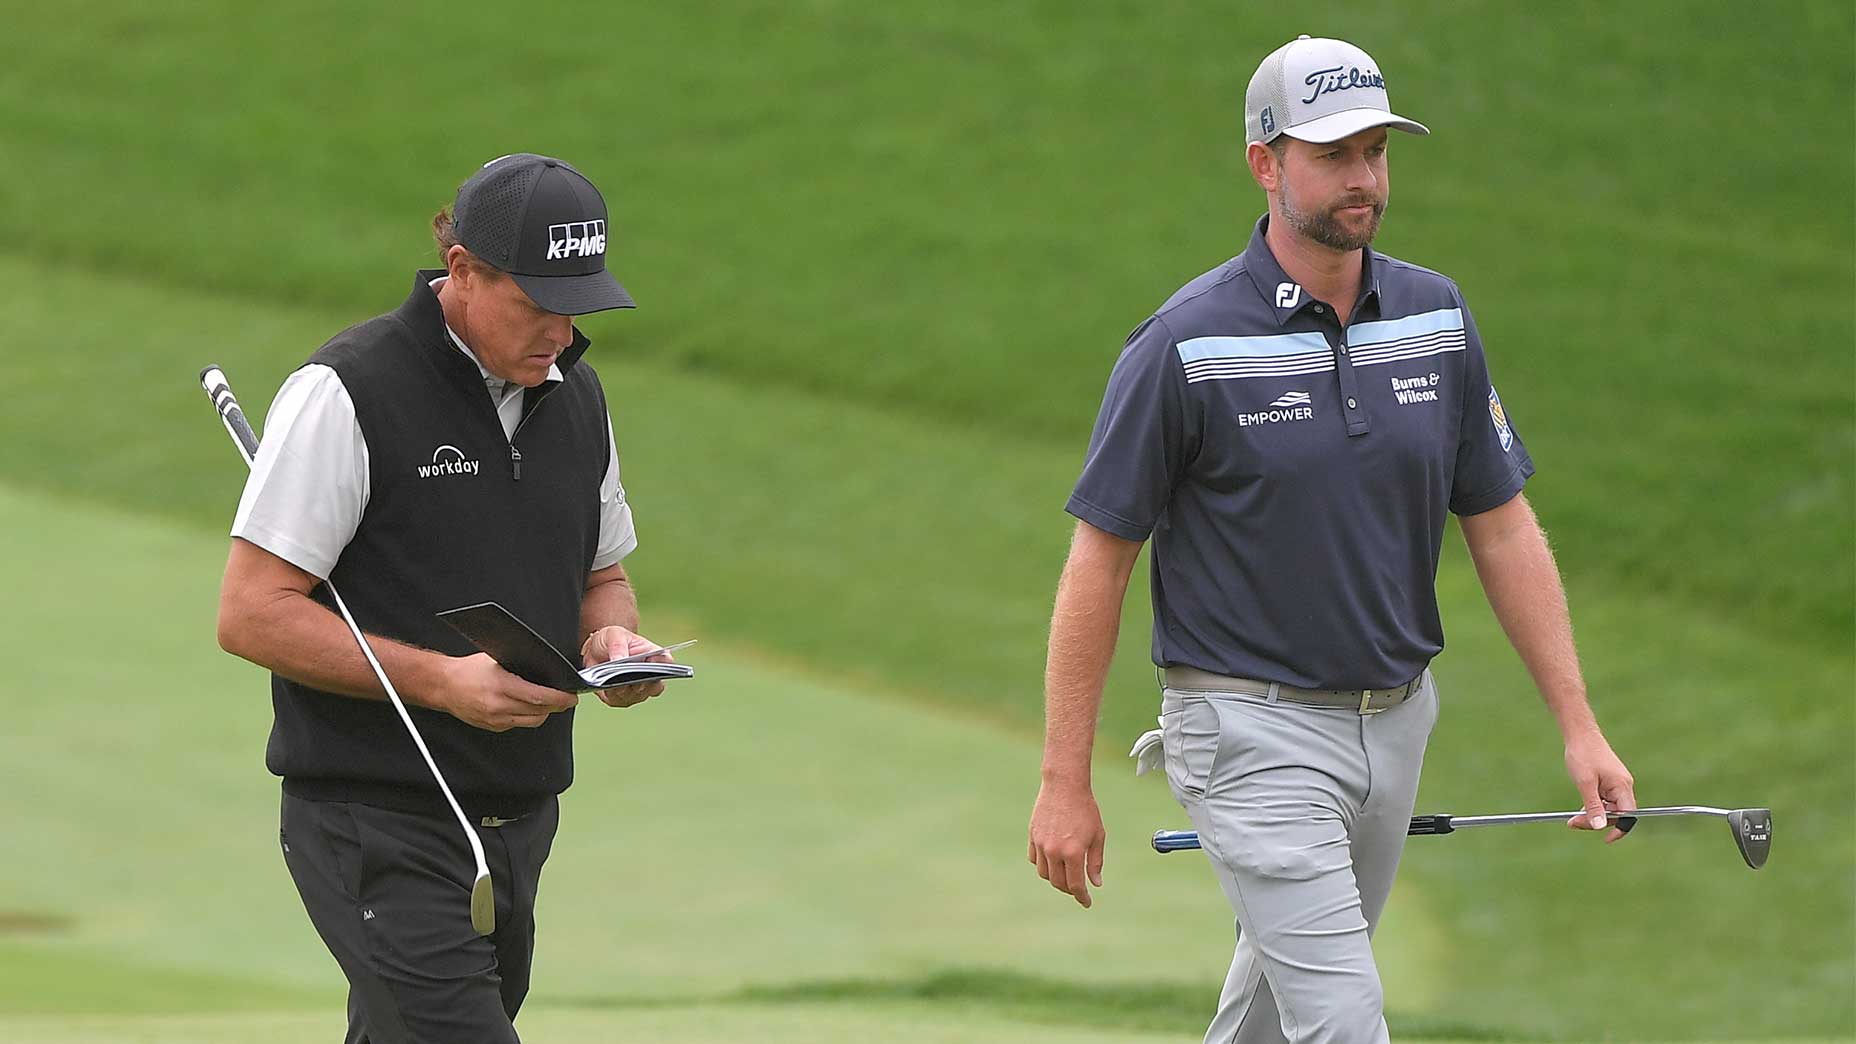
(449, 460)
(576, 239)
(1288, 295)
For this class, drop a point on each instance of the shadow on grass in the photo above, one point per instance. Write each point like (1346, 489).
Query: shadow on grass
(1134, 1007)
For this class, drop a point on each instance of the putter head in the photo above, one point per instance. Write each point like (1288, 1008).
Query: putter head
(1752, 829)
(483, 905)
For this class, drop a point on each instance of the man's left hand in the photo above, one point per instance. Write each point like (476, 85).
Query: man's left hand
(1605, 785)
(611, 643)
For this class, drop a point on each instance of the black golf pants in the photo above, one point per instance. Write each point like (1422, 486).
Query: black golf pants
(389, 892)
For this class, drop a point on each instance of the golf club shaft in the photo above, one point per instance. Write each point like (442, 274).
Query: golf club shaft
(1461, 822)
(1444, 823)
(246, 440)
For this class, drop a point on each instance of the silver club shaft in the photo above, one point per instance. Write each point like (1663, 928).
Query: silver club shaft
(1461, 822)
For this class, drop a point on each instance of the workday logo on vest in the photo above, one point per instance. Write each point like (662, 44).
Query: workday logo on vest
(449, 460)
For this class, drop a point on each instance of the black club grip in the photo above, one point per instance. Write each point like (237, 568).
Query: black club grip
(1437, 824)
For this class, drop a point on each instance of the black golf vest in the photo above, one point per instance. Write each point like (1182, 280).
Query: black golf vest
(457, 513)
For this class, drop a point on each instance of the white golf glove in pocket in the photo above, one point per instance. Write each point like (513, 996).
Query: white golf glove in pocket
(1148, 753)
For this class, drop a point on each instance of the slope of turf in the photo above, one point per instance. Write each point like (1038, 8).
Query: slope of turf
(960, 210)
(1675, 696)
(770, 1024)
(886, 257)
(690, 855)
(757, 835)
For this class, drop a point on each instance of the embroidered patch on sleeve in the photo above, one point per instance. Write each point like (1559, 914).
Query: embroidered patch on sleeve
(1500, 417)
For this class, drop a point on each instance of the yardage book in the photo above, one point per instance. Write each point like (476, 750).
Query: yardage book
(529, 656)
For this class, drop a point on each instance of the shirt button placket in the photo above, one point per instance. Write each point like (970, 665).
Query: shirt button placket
(1357, 424)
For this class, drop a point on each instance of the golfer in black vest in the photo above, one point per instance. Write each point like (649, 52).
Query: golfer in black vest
(455, 450)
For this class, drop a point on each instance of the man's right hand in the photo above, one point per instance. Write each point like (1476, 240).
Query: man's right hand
(478, 692)
(1067, 839)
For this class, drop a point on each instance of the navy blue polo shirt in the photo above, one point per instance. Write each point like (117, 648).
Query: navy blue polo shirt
(1294, 476)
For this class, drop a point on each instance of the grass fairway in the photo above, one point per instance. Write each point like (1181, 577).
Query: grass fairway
(756, 834)
(801, 1024)
(886, 255)
(774, 829)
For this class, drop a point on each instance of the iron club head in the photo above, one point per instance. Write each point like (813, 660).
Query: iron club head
(483, 905)
(1752, 829)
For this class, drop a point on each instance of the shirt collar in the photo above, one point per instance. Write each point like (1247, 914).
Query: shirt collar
(1284, 295)
(554, 370)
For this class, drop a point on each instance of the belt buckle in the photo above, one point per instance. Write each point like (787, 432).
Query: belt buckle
(493, 822)
(1366, 696)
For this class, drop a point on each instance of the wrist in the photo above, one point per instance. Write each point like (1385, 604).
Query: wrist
(432, 681)
(1066, 778)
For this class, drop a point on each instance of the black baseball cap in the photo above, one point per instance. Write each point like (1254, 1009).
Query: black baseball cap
(544, 223)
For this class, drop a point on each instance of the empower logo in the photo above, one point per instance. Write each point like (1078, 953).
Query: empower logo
(1292, 406)
(576, 239)
(449, 460)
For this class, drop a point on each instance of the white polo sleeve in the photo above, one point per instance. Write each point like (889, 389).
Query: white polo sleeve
(617, 538)
(308, 486)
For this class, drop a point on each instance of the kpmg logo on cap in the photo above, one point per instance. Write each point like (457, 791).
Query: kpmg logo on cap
(576, 239)
(1342, 78)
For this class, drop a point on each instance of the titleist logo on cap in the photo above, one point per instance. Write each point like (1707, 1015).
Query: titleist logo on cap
(1341, 78)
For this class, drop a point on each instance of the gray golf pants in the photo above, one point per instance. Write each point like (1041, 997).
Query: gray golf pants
(1302, 811)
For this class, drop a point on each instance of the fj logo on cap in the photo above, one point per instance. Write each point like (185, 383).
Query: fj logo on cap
(576, 239)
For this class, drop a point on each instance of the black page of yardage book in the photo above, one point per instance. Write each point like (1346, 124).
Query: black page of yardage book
(529, 656)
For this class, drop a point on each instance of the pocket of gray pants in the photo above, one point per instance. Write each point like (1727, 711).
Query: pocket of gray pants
(1189, 736)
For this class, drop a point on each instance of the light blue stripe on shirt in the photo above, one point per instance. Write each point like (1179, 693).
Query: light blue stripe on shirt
(1360, 334)
(1250, 347)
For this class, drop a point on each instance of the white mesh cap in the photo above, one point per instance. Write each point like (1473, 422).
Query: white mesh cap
(1320, 91)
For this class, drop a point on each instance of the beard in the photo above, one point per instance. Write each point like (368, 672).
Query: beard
(1324, 226)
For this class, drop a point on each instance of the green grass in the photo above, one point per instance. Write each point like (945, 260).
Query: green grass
(957, 212)
(878, 809)
(758, 834)
(773, 1024)
(886, 256)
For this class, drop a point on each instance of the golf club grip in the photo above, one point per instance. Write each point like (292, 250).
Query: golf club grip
(1187, 840)
(1435, 824)
(1175, 840)
(218, 389)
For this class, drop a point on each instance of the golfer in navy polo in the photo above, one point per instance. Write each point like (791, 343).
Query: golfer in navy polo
(1291, 430)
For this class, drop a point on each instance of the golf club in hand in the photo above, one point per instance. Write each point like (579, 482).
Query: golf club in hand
(482, 896)
(1751, 827)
